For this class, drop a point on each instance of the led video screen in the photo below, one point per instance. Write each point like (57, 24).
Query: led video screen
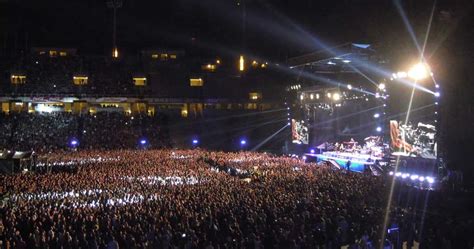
(299, 132)
(416, 140)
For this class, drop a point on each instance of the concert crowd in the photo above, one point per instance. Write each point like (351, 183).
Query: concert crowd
(191, 199)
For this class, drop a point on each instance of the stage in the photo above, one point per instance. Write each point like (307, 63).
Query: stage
(358, 162)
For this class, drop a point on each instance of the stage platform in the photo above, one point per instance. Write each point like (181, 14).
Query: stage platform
(358, 161)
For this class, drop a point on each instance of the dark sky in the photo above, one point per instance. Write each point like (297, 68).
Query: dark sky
(271, 28)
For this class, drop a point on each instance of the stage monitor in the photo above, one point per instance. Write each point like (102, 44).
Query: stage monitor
(413, 139)
(299, 132)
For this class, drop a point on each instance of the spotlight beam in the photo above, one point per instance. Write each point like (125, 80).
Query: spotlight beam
(408, 26)
(268, 138)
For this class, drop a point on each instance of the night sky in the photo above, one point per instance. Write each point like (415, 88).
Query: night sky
(274, 30)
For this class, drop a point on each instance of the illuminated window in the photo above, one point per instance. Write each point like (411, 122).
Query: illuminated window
(18, 79)
(62, 54)
(139, 81)
(173, 56)
(241, 63)
(53, 53)
(155, 56)
(80, 80)
(251, 106)
(196, 82)
(209, 67)
(255, 96)
(184, 113)
(164, 56)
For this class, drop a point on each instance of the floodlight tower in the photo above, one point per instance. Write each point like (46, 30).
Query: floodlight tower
(114, 4)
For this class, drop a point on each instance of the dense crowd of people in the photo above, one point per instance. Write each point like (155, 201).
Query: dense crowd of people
(191, 199)
(55, 131)
(167, 199)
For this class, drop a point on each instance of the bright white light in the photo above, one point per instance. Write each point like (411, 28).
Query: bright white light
(376, 115)
(288, 123)
(336, 96)
(304, 158)
(311, 96)
(288, 108)
(317, 95)
(312, 151)
(436, 103)
(331, 63)
(381, 86)
(421, 178)
(405, 175)
(398, 174)
(346, 61)
(419, 71)
(390, 173)
(243, 142)
(195, 141)
(302, 96)
(437, 94)
(414, 177)
(401, 74)
(429, 179)
(437, 86)
(349, 87)
(329, 95)
(379, 129)
(143, 141)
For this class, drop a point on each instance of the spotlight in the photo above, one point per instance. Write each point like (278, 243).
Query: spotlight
(419, 71)
(401, 74)
(288, 123)
(381, 86)
(398, 174)
(336, 96)
(349, 87)
(405, 175)
(195, 141)
(413, 177)
(288, 108)
(429, 179)
(304, 158)
(437, 86)
(437, 94)
(74, 142)
(436, 103)
(390, 173)
(376, 115)
(379, 129)
(312, 151)
(421, 178)
(143, 141)
(243, 142)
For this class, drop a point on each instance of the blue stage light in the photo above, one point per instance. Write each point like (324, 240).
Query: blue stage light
(312, 151)
(143, 142)
(379, 129)
(243, 142)
(74, 142)
(195, 141)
